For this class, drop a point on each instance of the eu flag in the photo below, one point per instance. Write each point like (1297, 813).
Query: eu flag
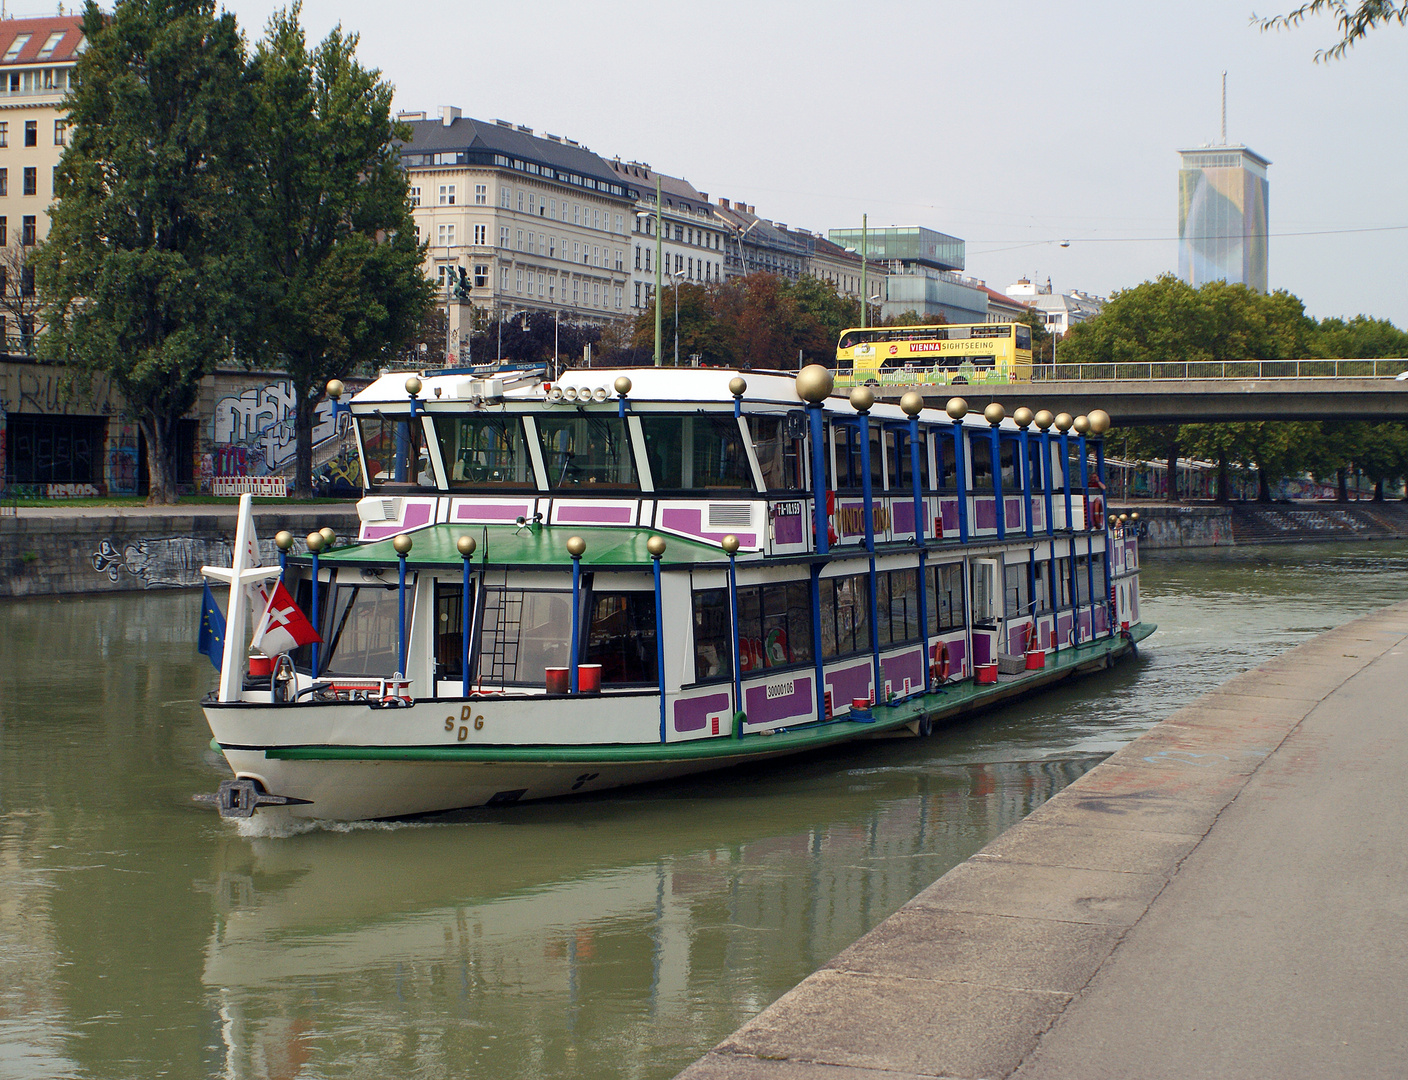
(212, 629)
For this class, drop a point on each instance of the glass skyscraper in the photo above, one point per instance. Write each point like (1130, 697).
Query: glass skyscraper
(1222, 196)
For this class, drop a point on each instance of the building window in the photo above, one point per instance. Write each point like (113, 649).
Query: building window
(481, 235)
(637, 256)
(637, 294)
(415, 196)
(596, 294)
(4, 231)
(503, 236)
(481, 275)
(542, 284)
(596, 255)
(574, 290)
(620, 264)
(447, 194)
(576, 250)
(31, 180)
(29, 230)
(4, 133)
(31, 133)
(532, 243)
(481, 194)
(4, 181)
(505, 198)
(519, 238)
(552, 247)
(520, 200)
(596, 219)
(518, 277)
(619, 224)
(503, 279)
(530, 283)
(647, 259)
(60, 133)
(576, 213)
(445, 236)
(619, 291)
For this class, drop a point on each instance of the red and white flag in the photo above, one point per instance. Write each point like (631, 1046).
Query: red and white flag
(284, 627)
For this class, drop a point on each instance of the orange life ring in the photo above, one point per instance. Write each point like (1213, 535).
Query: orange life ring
(1097, 513)
(939, 669)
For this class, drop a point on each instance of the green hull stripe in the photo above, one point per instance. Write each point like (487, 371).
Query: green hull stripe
(957, 698)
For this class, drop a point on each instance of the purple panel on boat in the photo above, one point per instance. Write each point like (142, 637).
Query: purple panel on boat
(982, 647)
(957, 650)
(1063, 629)
(902, 515)
(1101, 623)
(847, 684)
(1038, 512)
(908, 665)
(1014, 512)
(762, 709)
(414, 516)
(492, 511)
(787, 529)
(1084, 626)
(985, 513)
(691, 714)
(690, 522)
(948, 511)
(594, 514)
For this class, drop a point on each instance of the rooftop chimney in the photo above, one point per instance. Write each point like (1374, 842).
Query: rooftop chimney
(525, 130)
(723, 203)
(503, 123)
(448, 115)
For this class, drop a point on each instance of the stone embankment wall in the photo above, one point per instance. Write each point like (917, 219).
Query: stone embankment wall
(1167, 527)
(55, 555)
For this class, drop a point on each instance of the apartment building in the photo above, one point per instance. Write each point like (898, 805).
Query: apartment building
(537, 222)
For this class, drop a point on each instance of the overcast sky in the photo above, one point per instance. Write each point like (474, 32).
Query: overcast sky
(1014, 126)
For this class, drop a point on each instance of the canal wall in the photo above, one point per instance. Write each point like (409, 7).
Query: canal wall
(1173, 526)
(1222, 897)
(60, 551)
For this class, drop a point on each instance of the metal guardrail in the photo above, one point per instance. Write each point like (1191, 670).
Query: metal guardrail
(1224, 369)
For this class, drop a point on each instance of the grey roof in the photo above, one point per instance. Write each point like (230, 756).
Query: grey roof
(480, 139)
(673, 189)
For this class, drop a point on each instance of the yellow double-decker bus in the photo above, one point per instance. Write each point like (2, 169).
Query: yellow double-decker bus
(955, 353)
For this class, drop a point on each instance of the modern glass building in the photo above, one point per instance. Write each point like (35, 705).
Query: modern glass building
(1222, 219)
(905, 244)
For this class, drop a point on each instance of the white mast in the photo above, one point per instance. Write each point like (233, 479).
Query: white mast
(244, 571)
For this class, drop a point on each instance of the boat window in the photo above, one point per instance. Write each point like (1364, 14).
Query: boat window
(523, 632)
(1082, 580)
(484, 451)
(1041, 579)
(1063, 578)
(780, 455)
(621, 637)
(1016, 593)
(1034, 454)
(945, 600)
(847, 438)
(449, 628)
(392, 446)
(713, 644)
(774, 625)
(896, 606)
(364, 637)
(1007, 457)
(986, 596)
(584, 450)
(980, 454)
(699, 452)
(845, 615)
(943, 447)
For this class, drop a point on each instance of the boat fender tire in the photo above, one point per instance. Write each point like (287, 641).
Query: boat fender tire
(926, 726)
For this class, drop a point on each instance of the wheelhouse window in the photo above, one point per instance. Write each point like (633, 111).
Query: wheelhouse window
(392, 446)
(1034, 459)
(713, 636)
(774, 625)
(778, 447)
(1016, 593)
(945, 600)
(523, 632)
(699, 452)
(947, 478)
(845, 615)
(980, 454)
(896, 607)
(485, 451)
(363, 638)
(621, 637)
(584, 450)
(847, 438)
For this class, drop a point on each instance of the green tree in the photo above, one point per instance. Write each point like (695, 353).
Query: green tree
(149, 241)
(343, 280)
(1354, 21)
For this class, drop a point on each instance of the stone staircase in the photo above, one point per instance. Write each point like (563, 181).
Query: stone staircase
(1262, 523)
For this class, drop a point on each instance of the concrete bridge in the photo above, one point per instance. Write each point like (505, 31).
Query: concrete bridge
(1163, 394)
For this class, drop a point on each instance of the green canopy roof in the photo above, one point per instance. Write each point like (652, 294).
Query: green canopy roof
(532, 546)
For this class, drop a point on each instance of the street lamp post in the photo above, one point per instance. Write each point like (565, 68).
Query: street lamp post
(675, 287)
(864, 285)
(645, 215)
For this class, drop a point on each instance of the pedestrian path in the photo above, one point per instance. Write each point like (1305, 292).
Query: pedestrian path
(1225, 897)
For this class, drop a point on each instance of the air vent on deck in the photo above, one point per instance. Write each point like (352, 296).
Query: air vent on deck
(729, 516)
(390, 509)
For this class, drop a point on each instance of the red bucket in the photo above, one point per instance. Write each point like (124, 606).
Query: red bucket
(589, 678)
(261, 666)
(558, 680)
(985, 673)
(1036, 661)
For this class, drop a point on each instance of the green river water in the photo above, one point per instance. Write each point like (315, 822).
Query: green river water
(612, 936)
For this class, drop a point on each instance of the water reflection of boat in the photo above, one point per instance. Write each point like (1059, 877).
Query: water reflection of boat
(661, 907)
(627, 578)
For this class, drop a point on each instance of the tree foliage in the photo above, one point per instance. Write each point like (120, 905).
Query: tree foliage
(149, 241)
(342, 272)
(1353, 21)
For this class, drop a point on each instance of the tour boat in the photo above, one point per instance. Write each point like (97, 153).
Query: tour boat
(621, 576)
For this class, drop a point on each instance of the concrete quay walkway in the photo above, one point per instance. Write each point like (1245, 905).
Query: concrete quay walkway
(1227, 896)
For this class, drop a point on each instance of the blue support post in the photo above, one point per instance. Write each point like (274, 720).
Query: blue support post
(818, 428)
(733, 622)
(818, 660)
(401, 617)
(960, 481)
(576, 603)
(999, 504)
(464, 630)
(1109, 585)
(283, 571)
(1024, 444)
(659, 643)
(1046, 483)
(868, 502)
(313, 614)
(1066, 477)
(916, 474)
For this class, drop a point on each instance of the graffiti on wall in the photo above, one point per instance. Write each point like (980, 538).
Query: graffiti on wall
(169, 562)
(254, 430)
(122, 458)
(51, 392)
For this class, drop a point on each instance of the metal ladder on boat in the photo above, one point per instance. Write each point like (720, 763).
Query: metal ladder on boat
(503, 648)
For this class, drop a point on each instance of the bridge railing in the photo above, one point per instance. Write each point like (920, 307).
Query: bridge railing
(1224, 369)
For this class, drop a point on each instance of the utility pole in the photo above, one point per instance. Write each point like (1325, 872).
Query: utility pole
(658, 249)
(864, 287)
